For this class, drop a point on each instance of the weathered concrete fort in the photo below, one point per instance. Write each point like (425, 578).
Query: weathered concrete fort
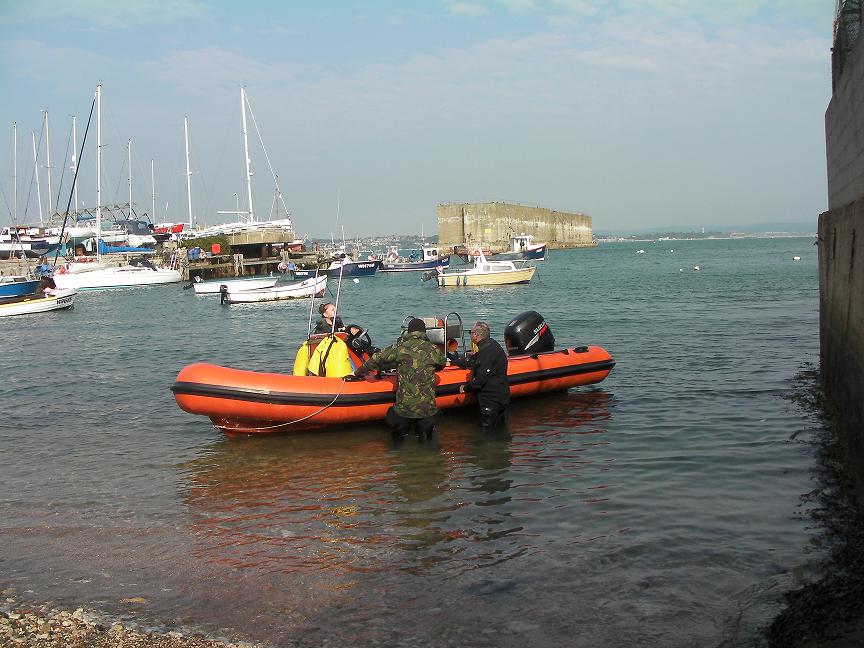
(491, 224)
(841, 239)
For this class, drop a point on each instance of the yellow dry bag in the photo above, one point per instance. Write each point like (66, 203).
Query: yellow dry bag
(331, 356)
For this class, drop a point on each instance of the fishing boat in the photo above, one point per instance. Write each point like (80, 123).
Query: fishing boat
(17, 285)
(37, 302)
(250, 402)
(306, 288)
(522, 248)
(427, 258)
(346, 267)
(232, 285)
(486, 273)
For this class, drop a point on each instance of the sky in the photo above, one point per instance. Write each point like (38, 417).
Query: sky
(641, 113)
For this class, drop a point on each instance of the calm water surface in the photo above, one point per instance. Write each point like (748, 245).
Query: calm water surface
(658, 508)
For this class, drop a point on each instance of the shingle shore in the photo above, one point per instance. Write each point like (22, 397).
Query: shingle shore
(40, 626)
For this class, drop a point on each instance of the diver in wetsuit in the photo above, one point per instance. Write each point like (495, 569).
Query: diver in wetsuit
(489, 380)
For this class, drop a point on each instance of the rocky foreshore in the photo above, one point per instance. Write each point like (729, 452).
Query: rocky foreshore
(42, 626)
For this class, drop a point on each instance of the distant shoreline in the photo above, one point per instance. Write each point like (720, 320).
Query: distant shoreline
(700, 237)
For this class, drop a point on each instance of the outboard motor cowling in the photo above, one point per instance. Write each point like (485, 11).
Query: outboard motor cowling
(528, 333)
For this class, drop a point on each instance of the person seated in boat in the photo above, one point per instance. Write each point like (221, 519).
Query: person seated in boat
(489, 380)
(328, 317)
(416, 360)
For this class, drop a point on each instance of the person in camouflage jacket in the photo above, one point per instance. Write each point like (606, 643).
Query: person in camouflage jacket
(416, 360)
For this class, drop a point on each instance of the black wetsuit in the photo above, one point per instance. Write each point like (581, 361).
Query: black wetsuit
(323, 327)
(489, 382)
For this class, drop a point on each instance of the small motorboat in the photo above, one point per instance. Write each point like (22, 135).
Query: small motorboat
(298, 290)
(38, 302)
(214, 287)
(427, 258)
(250, 402)
(17, 285)
(487, 273)
(345, 267)
(522, 248)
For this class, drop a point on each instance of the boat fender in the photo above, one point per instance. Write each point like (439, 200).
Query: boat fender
(301, 362)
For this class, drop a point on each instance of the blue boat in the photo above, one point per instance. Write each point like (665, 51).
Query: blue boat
(307, 273)
(348, 268)
(522, 248)
(17, 286)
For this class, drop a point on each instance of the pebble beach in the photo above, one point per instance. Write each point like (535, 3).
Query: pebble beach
(43, 626)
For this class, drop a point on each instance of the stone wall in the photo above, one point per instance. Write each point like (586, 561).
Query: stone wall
(841, 261)
(491, 224)
(844, 133)
(841, 325)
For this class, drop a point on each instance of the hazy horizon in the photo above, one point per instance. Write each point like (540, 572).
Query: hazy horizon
(637, 114)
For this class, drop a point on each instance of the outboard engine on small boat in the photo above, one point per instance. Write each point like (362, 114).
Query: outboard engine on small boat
(528, 332)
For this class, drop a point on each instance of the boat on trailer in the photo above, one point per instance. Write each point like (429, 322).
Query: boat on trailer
(245, 402)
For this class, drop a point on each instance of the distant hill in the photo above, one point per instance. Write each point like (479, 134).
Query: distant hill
(803, 228)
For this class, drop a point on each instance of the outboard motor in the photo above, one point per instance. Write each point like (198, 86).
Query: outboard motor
(528, 333)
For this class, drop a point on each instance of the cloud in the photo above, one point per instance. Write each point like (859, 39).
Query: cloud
(619, 112)
(472, 9)
(104, 14)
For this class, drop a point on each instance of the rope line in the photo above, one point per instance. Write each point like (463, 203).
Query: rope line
(279, 425)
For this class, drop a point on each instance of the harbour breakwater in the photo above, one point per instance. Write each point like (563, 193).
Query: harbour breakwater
(491, 224)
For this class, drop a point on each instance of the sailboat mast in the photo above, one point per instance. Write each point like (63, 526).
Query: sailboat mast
(15, 173)
(74, 166)
(188, 171)
(129, 161)
(152, 192)
(48, 164)
(246, 153)
(36, 175)
(98, 168)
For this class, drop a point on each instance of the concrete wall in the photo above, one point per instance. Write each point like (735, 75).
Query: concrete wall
(844, 133)
(841, 259)
(492, 224)
(841, 325)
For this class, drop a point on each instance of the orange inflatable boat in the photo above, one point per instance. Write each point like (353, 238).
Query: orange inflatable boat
(251, 402)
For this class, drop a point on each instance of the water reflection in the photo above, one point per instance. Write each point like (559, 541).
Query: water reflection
(354, 501)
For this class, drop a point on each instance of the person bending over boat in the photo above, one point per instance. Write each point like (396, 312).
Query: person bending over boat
(488, 377)
(328, 315)
(416, 360)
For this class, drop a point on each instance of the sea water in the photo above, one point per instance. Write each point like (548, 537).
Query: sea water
(660, 507)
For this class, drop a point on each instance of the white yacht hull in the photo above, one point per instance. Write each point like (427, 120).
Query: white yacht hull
(120, 277)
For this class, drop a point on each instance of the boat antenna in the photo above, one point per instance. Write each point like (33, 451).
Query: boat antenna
(312, 304)
(74, 188)
(338, 290)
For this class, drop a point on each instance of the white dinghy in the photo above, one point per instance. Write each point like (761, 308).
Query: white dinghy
(306, 288)
(232, 285)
